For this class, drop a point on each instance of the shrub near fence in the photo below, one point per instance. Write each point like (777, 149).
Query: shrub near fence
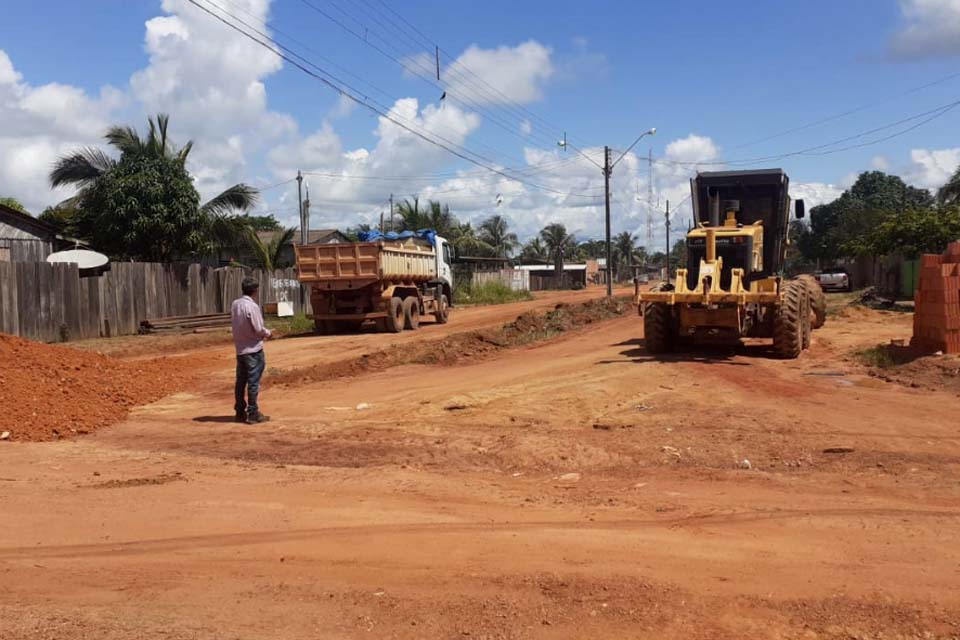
(51, 302)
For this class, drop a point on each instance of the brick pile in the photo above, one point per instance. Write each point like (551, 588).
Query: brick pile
(936, 321)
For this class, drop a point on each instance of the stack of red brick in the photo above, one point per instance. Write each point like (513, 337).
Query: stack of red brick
(936, 321)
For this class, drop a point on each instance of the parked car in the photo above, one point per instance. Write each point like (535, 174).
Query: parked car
(834, 280)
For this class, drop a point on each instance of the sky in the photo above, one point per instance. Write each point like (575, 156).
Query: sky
(823, 89)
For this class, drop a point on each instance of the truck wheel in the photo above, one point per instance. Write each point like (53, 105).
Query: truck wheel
(322, 327)
(818, 300)
(411, 313)
(443, 310)
(658, 329)
(790, 320)
(395, 315)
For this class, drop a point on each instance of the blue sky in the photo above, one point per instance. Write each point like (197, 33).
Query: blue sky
(712, 77)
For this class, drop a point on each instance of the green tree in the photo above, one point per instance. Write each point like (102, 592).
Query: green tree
(950, 192)
(436, 216)
(259, 223)
(60, 217)
(678, 256)
(495, 232)
(13, 203)
(144, 205)
(269, 255)
(626, 254)
(916, 231)
(468, 242)
(535, 249)
(559, 243)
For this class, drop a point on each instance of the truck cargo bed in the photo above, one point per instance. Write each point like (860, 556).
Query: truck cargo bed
(362, 263)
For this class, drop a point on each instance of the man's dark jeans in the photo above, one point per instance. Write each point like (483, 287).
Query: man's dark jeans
(249, 371)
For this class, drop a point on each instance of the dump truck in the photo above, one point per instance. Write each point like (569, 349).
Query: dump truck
(733, 284)
(393, 281)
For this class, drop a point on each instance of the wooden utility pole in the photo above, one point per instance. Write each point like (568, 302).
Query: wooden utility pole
(303, 226)
(668, 240)
(391, 212)
(606, 194)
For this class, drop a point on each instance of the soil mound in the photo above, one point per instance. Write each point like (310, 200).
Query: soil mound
(49, 391)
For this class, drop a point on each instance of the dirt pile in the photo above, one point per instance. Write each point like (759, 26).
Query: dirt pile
(49, 392)
(913, 367)
(528, 328)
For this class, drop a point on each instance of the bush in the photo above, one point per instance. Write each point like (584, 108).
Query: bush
(489, 293)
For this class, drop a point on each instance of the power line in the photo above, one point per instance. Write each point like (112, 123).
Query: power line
(408, 64)
(331, 63)
(823, 149)
(345, 90)
(457, 66)
(848, 112)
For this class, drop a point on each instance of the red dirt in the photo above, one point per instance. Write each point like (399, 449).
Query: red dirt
(567, 487)
(53, 392)
(470, 346)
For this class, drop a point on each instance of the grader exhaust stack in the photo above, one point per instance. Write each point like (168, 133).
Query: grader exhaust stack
(733, 283)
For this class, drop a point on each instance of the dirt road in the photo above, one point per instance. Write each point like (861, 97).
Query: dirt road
(567, 489)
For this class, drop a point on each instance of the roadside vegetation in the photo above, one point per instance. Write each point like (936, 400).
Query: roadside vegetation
(489, 293)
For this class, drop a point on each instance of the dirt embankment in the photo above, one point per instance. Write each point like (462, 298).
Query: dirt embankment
(469, 346)
(51, 392)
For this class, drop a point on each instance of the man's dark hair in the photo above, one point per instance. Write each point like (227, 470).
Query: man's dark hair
(249, 286)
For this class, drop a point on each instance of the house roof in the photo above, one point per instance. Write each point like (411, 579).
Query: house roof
(567, 266)
(313, 235)
(14, 215)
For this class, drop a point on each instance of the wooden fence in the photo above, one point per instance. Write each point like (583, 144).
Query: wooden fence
(516, 279)
(52, 303)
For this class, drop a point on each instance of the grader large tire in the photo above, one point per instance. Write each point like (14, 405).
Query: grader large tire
(658, 330)
(818, 300)
(791, 321)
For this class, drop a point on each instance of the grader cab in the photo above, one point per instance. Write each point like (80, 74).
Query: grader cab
(733, 285)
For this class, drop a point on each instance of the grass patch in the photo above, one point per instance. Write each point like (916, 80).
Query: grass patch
(878, 357)
(490, 293)
(291, 325)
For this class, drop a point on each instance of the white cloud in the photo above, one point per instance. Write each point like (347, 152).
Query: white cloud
(815, 193)
(931, 28)
(211, 80)
(526, 128)
(880, 163)
(517, 73)
(930, 169)
(39, 124)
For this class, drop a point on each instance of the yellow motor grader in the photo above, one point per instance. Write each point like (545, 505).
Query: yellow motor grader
(733, 284)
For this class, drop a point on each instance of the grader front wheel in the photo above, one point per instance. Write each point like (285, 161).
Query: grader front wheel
(658, 329)
(791, 321)
(818, 300)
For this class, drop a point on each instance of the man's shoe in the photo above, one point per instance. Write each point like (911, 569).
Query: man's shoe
(240, 417)
(257, 418)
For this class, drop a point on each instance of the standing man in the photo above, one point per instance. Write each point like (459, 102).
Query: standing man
(248, 336)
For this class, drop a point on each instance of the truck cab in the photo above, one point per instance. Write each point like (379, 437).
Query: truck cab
(444, 269)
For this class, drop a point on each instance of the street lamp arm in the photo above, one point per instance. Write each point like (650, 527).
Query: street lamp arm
(645, 133)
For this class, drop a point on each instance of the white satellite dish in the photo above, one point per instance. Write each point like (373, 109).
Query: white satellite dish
(81, 257)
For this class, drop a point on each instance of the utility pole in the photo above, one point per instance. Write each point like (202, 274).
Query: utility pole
(303, 227)
(391, 212)
(606, 197)
(668, 241)
(650, 197)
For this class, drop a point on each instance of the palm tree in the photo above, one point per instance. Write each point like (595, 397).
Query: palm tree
(269, 255)
(535, 250)
(494, 232)
(85, 167)
(559, 244)
(626, 253)
(950, 192)
(464, 237)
